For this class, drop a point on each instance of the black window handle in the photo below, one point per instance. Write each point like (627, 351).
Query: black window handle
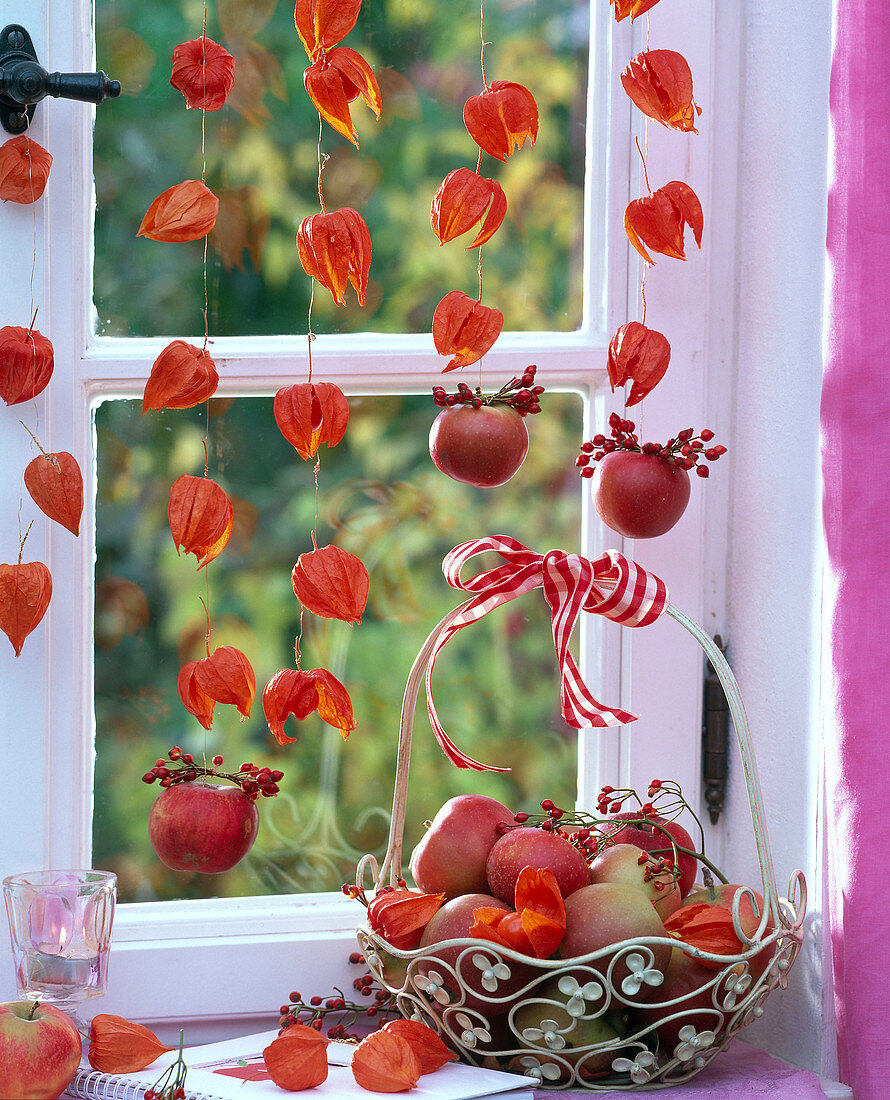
(24, 81)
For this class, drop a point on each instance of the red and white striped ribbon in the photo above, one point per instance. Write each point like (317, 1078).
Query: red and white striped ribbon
(612, 585)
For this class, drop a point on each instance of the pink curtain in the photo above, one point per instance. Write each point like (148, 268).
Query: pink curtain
(856, 467)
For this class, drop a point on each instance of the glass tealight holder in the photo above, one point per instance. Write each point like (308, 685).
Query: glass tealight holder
(60, 925)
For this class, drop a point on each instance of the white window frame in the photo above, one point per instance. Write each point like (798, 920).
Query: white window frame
(48, 717)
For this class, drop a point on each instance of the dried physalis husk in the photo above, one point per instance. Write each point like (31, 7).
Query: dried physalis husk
(56, 485)
(117, 1045)
(25, 591)
(332, 583)
(425, 1043)
(297, 1059)
(383, 1062)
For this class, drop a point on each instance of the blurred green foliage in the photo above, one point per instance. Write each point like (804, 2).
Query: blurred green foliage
(262, 155)
(496, 686)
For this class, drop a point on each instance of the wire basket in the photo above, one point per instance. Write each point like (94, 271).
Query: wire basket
(555, 1019)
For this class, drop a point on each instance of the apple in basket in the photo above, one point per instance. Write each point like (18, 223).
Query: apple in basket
(450, 858)
(538, 848)
(636, 867)
(40, 1050)
(650, 835)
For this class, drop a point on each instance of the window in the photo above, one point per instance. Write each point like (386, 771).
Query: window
(99, 362)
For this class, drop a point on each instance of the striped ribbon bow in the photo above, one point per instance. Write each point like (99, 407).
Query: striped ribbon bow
(612, 585)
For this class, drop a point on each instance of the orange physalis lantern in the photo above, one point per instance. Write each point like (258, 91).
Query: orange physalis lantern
(464, 329)
(119, 1046)
(334, 81)
(632, 8)
(640, 355)
(297, 1059)
(24, 170)
(321, 24)
(425, 1043)
(56, 485)
(383, 1062)
(182, 376)
(204, 72)
(537, 927)
(184, 212)
(501, 118)
(295, 692)
(26, 363)
(659, 82)
(332, 583)
(195, 701)
(201, 517)
(25, 592)
(335, 249)
(400, 916)
(463, 200)
(309, 414)
(226, 676)
(658, 221)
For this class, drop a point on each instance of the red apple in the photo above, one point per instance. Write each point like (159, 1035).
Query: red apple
(527, 847)
(639, 495)
(606, 913)
(634, 866)
(483, 447)
(39, 1050)
(450, 858)
(453, 922)
(655, 842)
(202, 826)
(684, 978)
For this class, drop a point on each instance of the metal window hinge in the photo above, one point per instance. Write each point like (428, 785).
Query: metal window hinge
(24, 82)
(715, 740)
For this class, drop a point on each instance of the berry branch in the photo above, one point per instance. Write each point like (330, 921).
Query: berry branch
(318, 1012)
(520, 393)
(180, 767)
(686, 449)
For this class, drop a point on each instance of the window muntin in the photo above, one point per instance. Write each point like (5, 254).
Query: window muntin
(262, 161)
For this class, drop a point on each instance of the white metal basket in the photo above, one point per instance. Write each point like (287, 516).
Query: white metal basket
(471, 997)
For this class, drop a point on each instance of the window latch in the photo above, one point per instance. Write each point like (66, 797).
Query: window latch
(715, 740)
(24, 81)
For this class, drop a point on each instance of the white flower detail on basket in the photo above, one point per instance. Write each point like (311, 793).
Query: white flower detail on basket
(575, 947)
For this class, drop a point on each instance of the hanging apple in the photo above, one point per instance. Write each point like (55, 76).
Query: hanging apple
(641, 491)
(194, 825)
(482, 440)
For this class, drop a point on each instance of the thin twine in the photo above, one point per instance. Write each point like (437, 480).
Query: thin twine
(321, 160)
(479, 158)
(482, 37)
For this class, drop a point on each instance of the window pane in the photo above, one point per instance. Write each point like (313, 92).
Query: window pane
(262, 162)
(496, 686)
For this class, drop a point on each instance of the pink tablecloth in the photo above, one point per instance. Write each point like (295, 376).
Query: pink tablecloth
(739, 1072)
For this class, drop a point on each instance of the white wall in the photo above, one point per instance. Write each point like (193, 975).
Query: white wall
(773, 599)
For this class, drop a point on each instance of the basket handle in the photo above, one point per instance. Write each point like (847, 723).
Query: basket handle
(392, 861)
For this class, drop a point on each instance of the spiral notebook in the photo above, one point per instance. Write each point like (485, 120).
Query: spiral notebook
(234, 1070)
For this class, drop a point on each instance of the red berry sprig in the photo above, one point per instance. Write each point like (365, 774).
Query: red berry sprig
(335, 1012)
(180, 767)
(686, 449)
(521, 393)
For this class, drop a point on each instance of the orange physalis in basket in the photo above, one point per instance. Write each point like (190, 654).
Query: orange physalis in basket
(659, 82)
(226, 676)
(400, 916)
(298, 1058)
(639, 355)
(295, 692)
(334, 81)
(201, 517)
(26, 363)
(658, 221)
(425, 1043)
(500, 118)
(322, 24)
(632, 8)
(24, 170)
(309, 414)
(204, 72)
(537, 927)
(463, 200)
(335, 249)
(184, 212)
(25, 592)
(56, 485)
(465, 329)
(383, 1062)
(332, 583)
(118, 1045)
(181, 377)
